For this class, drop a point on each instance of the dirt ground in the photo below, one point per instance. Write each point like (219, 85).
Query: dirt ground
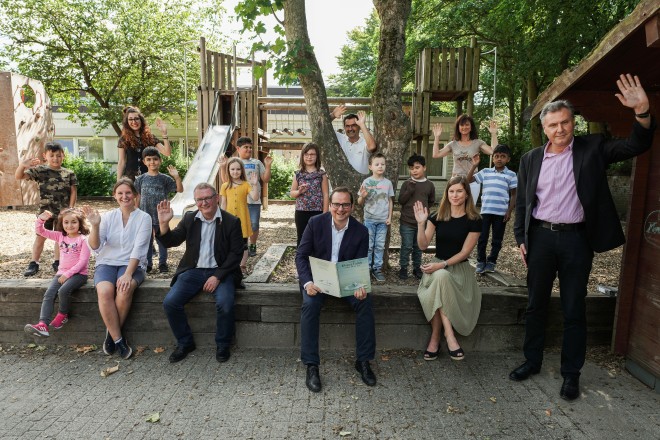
(277, 226)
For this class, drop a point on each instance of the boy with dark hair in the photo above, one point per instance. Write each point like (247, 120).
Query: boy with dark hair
(153, 187)
(57, 190)
(498, 199)
(417, 188)
(376, 194)
(252, 166)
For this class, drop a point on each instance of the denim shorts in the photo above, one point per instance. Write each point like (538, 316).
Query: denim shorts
(255, 214)
(105, 272)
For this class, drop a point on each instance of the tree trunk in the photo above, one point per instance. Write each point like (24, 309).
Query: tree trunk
(523, 106)
(511, 103)
(303, 58)
(535, 123)
(392, 125)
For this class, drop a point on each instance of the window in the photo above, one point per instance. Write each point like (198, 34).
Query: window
(67, 144)
(90, 148)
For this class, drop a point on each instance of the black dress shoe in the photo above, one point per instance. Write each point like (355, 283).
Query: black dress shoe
(570, 389)
(524, 371)
(368, 376)
(222, 354)
(313, 380)
(180, 353)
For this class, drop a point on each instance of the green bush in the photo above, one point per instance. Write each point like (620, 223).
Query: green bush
(177, 158)
(281, 176)
(94, 178)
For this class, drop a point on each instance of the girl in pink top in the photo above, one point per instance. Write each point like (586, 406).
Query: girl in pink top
(70, 235)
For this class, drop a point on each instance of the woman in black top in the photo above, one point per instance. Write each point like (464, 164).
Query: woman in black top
(135, 137)
(448, 291)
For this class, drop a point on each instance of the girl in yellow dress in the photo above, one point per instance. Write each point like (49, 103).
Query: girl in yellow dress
(234, 194)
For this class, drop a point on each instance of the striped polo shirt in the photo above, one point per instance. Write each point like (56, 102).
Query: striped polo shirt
(495, 192)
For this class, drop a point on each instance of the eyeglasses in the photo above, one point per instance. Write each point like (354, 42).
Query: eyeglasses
(341, 205)
(205, 199)
(133, 119)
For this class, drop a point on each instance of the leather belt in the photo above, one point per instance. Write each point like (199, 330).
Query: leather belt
(559, 227)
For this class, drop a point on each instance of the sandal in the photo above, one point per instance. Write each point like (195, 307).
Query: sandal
(430, 355)
(457, 355)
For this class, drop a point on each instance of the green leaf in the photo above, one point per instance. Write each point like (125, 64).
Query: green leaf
(153, 418)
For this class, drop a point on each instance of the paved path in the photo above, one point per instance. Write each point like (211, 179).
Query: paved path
(58, 393)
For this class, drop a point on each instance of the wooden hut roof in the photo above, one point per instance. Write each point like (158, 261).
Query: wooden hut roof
(632, 46)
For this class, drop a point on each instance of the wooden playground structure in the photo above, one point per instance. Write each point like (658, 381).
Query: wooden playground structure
(442, 74)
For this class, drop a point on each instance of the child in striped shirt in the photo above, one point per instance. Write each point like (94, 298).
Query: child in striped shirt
(498, 199)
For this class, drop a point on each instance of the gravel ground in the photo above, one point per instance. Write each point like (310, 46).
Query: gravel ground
(277, 226)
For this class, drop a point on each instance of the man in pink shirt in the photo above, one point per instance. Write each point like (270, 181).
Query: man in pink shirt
(565, 212)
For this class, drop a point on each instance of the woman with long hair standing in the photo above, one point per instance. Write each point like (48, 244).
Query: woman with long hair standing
(448, 291)
(135, 137)
(464, 145)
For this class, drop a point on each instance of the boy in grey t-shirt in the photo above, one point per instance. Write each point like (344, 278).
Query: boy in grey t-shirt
(153, 187)
(376, 195)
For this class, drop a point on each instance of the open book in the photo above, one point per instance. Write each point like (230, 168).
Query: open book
(342, 278)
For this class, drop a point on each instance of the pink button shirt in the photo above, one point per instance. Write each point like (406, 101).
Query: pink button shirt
(557, 199)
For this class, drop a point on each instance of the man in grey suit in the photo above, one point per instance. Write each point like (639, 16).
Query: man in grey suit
(565, 212)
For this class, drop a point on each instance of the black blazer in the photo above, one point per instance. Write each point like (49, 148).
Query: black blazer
(591, 156)
(228, 245)
(317, 242)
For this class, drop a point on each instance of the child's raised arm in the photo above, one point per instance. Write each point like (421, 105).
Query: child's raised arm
(475, 164)
(175, 175)
(25, 164)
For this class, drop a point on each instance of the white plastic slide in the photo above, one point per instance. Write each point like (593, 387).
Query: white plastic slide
(203, 168)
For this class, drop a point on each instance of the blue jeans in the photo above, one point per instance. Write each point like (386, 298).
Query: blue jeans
(408, 245)
(377, 234)
(498, 225)
(162, 251)
(187, 286)
(310, 314)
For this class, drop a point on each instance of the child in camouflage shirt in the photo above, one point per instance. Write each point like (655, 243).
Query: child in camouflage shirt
(57, 190)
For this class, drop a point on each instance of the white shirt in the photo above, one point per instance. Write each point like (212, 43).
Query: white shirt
(206, 259)
(356, 153)
(337, 237)
(119, 243)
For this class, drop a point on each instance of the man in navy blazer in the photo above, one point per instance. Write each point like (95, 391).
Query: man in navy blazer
(565, 212)
(211, 263)
(334, 236)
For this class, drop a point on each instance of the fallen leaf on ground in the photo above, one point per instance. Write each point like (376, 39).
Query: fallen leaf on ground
(159, 350)
(140, 349)
(32, 345)
(84, 349)
(108, 371)
(384, 358)
(344, 433)
(493, 399)
(548, 412)
(153, 418)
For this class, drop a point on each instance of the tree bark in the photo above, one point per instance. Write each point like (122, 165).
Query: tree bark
(535, 123)
(303, 58)
(391, 124)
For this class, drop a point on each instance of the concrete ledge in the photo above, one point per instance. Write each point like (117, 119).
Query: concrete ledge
(267, 315)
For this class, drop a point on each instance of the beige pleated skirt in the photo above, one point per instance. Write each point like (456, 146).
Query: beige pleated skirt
(456, 291)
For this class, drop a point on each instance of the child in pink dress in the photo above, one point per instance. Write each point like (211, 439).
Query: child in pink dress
(70, 235)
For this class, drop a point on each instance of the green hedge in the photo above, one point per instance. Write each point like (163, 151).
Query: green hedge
(94, 178)
(281, 176)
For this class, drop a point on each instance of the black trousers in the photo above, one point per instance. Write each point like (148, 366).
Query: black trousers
(301, 219)
(567, 255)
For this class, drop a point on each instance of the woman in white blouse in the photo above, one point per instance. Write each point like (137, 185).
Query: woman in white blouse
(120, 239)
